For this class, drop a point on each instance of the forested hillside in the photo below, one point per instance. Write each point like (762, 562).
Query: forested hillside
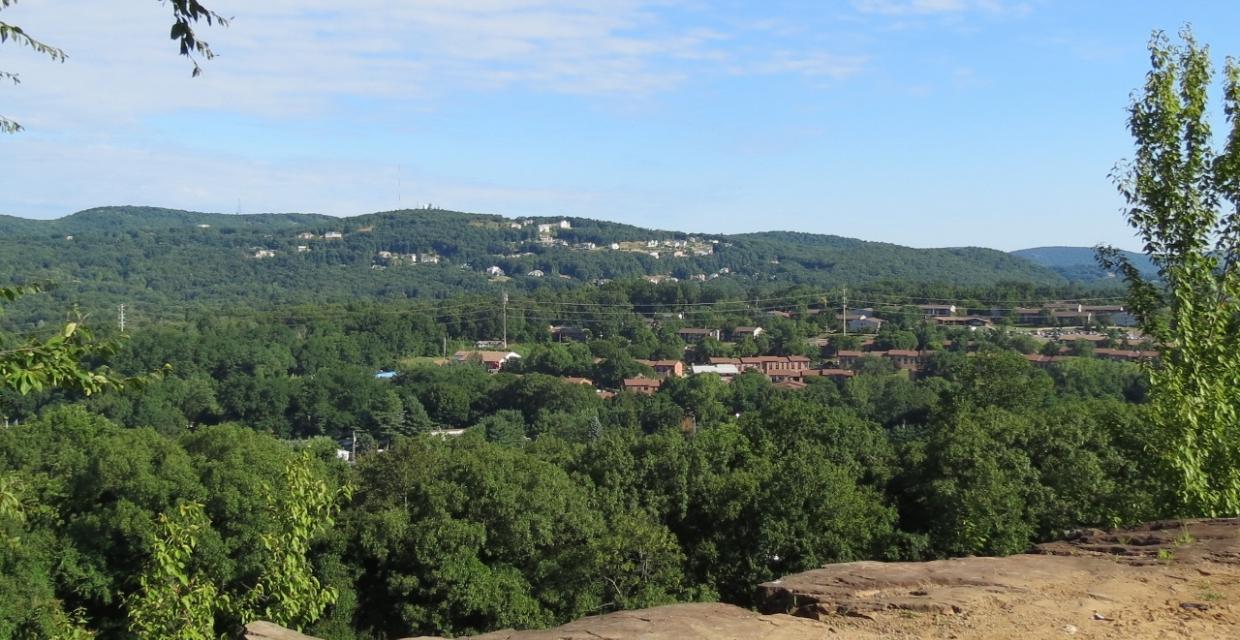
(160, 262)
(1080, 264)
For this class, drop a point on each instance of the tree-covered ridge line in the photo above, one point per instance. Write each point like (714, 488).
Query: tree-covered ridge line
(1080, 264)
(162, 259)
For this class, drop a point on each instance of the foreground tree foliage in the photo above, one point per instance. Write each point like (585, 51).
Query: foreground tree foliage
(58, 361)
(186, 14)
(1184, 202)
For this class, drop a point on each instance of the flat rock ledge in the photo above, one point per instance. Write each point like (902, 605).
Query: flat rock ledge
(674, 622)
(1174, 579)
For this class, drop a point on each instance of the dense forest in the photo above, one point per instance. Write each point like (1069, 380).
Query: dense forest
(557, 501)
(253, 449)
(161, 262)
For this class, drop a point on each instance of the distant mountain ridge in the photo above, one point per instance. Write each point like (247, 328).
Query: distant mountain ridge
(154, 218)
(147, 256)
(1080, 264)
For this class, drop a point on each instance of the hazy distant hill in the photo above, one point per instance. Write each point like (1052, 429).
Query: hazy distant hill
(880, 260)
(163, 260)
(125, 219)
(1078, 264)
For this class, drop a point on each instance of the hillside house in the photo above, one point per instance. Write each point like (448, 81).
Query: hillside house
(301, 248)
(568, 334)
(786, 376)
(849, 359)
(906, 359)
(1041, 361)
(1025, 315)
(306, 235)
(937, 310)
(726, 371)
(428, 258)
(642, 385)
(495, 272)
(773, 365)
(1111, 315)
(834, 374)
(865, 325)
(972, 322)
(537, 273)
(551, 226)
(492, 360)
(1124, 355)
(259, 254)
(740, 333)
(696, 334)
(854, 314)
(1072, 317)
(333, 235)
(665, 368)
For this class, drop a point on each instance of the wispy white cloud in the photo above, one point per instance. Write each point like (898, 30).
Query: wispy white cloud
(939, 7)
(287, 58)
(815, 64)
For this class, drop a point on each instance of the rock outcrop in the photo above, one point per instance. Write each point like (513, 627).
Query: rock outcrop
(268, 631)
(1161, 580)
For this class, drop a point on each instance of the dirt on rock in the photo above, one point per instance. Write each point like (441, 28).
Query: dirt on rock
(1176, 579)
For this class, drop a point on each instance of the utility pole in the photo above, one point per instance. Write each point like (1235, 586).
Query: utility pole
(845, 311)
(504, 300)
(121, 317)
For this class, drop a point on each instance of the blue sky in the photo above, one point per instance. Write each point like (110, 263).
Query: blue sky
(919, 122)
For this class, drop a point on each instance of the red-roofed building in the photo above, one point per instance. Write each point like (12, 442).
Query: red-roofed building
(493, 360)
(906, 359)
(664, 368)
(829, 373)
(646, 386)
(849, 359)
